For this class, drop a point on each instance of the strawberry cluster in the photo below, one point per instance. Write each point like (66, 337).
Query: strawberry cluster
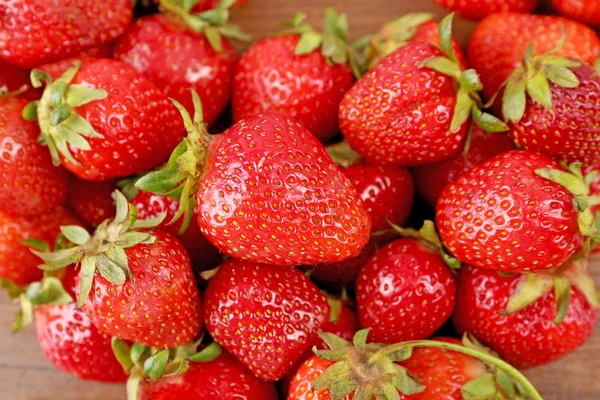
(203, 225)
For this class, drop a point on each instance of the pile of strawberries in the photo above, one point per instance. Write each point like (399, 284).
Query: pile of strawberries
(193, 222)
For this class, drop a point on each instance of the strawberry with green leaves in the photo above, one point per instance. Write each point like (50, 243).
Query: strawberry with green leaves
(301, 73)
(477, 9)
(414, 106)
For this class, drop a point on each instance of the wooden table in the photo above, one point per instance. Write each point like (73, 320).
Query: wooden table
(25, 374)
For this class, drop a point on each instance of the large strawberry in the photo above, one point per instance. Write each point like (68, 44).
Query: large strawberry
(136, 284)
(265, 315)
(498, 44)
(302, 74)
(528, 321)
(587, 11)
(476, 9)
(413, 107)
(29, 183)
(102, 120)
(266, 191)
(34, 32)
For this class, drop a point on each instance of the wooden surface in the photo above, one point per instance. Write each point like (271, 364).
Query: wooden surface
(26, 375)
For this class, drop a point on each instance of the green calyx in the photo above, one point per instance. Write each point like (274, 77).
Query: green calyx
(468, 100)
(533, 78)
(180, 178)
(342, 154)
(214, 24)
(60, 125)
(141, 362)
(332, 42)
(104, 251)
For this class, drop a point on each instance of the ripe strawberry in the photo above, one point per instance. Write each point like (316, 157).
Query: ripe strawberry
(476, 9)
(100, 119)
(265, 315)
(303, 74)
(587, 12)
(35, 32)
(29, 183)
(528, 337)
(431, 179)
(404, 279)
(56, 69)
(92, 202)
(196, 60)
(16, 261)
(411, 109)
(498, 44)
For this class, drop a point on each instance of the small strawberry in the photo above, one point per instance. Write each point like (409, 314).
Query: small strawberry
(517, 315)
(406, 291)
(498, 44)
(509, 214)
(587, 12)
(29, 183)
(414, 106)
(476, 9)
(103, 120)
(302, 74)
(35, 32)
(432, 178)
(265, 315)
(136, 284)
(92, 202)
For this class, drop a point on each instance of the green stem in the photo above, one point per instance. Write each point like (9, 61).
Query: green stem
(509, 369)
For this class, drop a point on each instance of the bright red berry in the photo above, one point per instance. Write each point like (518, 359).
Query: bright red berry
(477, 9)
(587, 12)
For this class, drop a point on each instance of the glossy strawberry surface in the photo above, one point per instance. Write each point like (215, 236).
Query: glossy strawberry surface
(479, 9)
(265, 315)
(92, 202)
(502, 216)
(586, 11)
(271, 194)
(57, 68)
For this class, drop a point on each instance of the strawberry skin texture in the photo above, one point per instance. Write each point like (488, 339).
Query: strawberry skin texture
(29, 183)
(570, 133)
(431, 179)
(301, 385)
(56, 69)
(404, 292)
(140, 125)
(17, 263)
(271, 194)
(271, 78)
(265, 315)
(162, 308)
(91, 201)
(478, 9)
(587, 11)
(498, 44)
(527, 338)
(192, 62)
(222, 378)
(501, 215)
(35, 32)
(398, 113)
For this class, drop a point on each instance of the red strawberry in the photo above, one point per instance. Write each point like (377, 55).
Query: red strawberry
(301, 384)
(107, 112)
(92, 201)
(222, 378)
(477, 9)
(587, 11)
(16, 261)
(56, 69)
(528, 337)
(195, 62)
(34, 32)
(13, 78)
(303, 75)
(431, 179)
(498, 44)
(29, 183)
(265, 315)
(405, 291)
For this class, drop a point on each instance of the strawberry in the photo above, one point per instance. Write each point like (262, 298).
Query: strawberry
(431, 179)
(302, 74)
(136, 284)
(29, 183)
(35, 32)
(100, 119)
(509, 214)
(403, 279)
(498, 44)
(56, 69)
(92, 202)
(413, 107)
(294, 207)
(196, 59)
(530, 336)
(13, 78)
(587, 12)
(476, 10)
(265, 315)
(16, 262)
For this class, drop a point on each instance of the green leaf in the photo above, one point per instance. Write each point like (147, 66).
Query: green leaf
(57, 259)
(110, 270)
(572, 183)
(400, 354)
(30, 111)
(445, 31)
(530, 288)
(133, 383)
(342, 154)
(559, 61)
(390, 392)
(309, 42)
(37, 76)
(333, 341)
(60, 114)
(469, 81)
(209, 353)
(405, 383)
(159, 181)
(14, 291)
(481, 388)
(514, 101)
(129, 239)
(539, 89)
(56, 93)
(330, 21)
(76, 123)
(443, 66)
(86, 278)
(505, 382)
(122, 353)
(561, 76)
(78, 95)
(24, 317)
(562, 296)
(360, 339)
(49, 291)
(75, 139)
(75, 234)
(137, 351)
(187, 5)
(214, 38)
(338, 379)
(486, 121)
(122, 212)
(155, 365)
(462, 110)
(580, 277)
